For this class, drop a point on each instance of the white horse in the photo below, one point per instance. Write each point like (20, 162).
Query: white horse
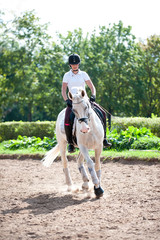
(89, 132)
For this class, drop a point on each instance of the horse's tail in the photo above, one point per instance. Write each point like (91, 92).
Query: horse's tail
(50, 156)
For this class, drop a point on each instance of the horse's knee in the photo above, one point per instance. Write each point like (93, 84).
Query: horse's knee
(90, 163)
(83, 173)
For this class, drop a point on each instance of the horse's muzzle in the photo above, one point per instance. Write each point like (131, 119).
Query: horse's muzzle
(84, 128)
(84, 124)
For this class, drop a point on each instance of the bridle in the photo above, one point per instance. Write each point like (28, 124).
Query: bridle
(85, 119)
(80, 120)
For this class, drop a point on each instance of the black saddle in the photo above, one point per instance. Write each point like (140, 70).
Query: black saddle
(99, 114)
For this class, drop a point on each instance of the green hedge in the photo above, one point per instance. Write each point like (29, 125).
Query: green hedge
(123, 123)
(11, 130)
(146, 143)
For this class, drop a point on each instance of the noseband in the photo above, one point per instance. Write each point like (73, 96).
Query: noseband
(80, 120)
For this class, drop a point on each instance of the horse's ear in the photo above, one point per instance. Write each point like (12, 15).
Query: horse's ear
(70, 95)
(83, 93)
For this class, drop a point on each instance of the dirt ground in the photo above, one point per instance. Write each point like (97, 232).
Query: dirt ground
(36, 205)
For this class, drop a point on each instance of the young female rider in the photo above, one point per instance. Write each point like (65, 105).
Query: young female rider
(77, 78)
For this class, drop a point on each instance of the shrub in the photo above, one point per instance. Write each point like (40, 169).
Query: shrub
(11, 130)
(130, 138)
(123, 123)
(146, 143)
(125, 139)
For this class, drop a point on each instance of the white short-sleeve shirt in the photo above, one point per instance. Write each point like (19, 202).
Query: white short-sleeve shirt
(75, 80)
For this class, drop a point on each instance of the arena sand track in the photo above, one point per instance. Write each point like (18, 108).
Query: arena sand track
(35, 203)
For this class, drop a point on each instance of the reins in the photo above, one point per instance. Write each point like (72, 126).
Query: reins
(80, 120)
(105, 110)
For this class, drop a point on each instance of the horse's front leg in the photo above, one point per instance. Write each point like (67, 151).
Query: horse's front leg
(98, 191)
(90, 165)
(97, 188)
(65, 164)
(80, 160)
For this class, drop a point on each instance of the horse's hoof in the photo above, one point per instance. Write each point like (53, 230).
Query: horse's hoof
(98, 192)
(85, 186)
(69, 188)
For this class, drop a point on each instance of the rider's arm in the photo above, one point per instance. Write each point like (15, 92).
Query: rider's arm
(64, 90)
(91, 86)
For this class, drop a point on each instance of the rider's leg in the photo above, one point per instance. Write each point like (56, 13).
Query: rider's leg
(105, 142)
(68, 129)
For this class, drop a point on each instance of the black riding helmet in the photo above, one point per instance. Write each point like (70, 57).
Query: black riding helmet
(74, 59)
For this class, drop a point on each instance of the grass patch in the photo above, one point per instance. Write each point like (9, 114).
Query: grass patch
(130, 153)
(137, 154)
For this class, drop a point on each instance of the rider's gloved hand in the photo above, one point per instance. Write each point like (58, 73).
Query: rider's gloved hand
(69, 103)
(93, 98)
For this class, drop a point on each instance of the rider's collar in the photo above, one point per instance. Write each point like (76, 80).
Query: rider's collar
(73, 74)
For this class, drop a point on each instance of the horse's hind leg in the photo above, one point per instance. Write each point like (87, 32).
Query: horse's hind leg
(80, 160)
(65, 164)
(97, 162)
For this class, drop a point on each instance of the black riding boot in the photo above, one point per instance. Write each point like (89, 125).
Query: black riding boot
(68, 130)
(105, 142)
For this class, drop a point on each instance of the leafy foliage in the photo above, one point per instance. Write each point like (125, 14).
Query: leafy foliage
(123, 123)
(11, 130)
(146, 143)
(31, 142)
(131, 138)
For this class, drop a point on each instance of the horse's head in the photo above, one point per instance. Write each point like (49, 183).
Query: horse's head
(81, 107)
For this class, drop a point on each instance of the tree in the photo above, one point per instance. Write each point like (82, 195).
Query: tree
(111, 65)
(32, 38)
(151, 78)
(28, 69)
(8, 58)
